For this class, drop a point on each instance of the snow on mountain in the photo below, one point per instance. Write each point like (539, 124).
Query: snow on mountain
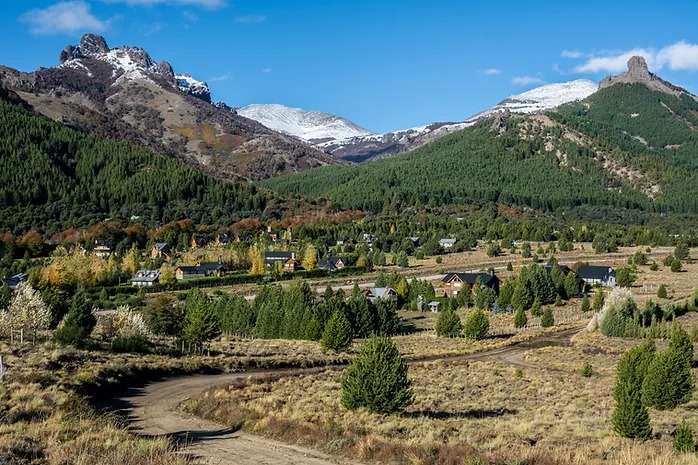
(191, 86)
(311, 126)
(542, 98)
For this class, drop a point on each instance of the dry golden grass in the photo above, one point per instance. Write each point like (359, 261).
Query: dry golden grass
(545, 413)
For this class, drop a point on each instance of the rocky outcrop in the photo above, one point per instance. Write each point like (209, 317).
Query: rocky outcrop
(639, 73)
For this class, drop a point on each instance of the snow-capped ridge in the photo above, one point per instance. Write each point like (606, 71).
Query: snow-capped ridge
(310, 126)
(187, 84)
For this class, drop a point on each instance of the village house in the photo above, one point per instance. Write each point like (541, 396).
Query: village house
(292, 265)
(592, 275)
(146, 278)
(434, 306)
(383, 293)
(223, 239)
(447, 243)
(198, 241)
(273, 234)
(161, 250)
(13, 281)
(271, 258)
(103, 249)
(333, 263)
(414, 240)
(183, 272)
(202, 270)
(454, 282)
(344, 240)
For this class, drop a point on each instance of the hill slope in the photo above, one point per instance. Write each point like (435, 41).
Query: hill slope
(53, 177)
(122, 93)
(626, 146)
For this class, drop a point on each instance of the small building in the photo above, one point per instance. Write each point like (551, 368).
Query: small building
(454, 282)
(223, 239)
(13, 281)
(414, 240)
(447, 243)
(344, 240)
(161, 250)
(292, 265)
(146, 278)
(367, 239)
(103, 249)
(592, 275)
(217, 269)
(189, 272)
(434, 306)
(271, 258)
(333, 263)
(273, 234)
(382, 293)
(243, 238)
(198, 241)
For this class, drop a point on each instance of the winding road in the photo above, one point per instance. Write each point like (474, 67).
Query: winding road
(151, 411)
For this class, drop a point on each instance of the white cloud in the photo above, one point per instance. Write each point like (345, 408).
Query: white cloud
(250, 19)
(526, 80)
(681, 56)
(266, 70)
(210, 4)
(571, 54)
(491, 72)
(223, 77)
(63, 18)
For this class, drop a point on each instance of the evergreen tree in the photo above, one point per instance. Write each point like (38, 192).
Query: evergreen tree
(338, 335)
(661, 292)
(599, 298)
(669, 381)
(523, 296)
(676, 265)
(377, 379)
(78, 323)
(485, 297)
(329, 293)
(520, 318)
(448, 324)
(5, 296)
(547, 319)
(506, 292)
(200, 321)
(477, 325)
(683, 438)
(586, 305)
(571, 286)
(465, 296)
(536, 308)
(630, 418)
(387, 320)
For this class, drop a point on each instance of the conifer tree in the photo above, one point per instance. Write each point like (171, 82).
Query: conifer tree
(630, 418)
(586, 305)
(78, 323)
(599, 298)
(338, 335)
(377, 379)
(669, 381)
(520, 318)
(477, 325)
(571, 286)
(200, 321)
(547, 319)
(523, 296)
(683, 438)
(448, 324)
(536, 308)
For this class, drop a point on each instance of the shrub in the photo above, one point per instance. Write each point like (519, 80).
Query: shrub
(78, 323)
(536, 308)
(668, 260)
(338, 335)
(630, 418)
(586, 304)
(683, 438)
(377, 379)
(26, 311)
(439, 260)
(130, 344)
(477, 325)
(676, 265)
(547, 319)
(654, 266)
(661, 292)
(587, 370)
(520, 319)
(510, 267)
(448, 324)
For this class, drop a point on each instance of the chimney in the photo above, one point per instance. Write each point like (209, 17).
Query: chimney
(220, 259)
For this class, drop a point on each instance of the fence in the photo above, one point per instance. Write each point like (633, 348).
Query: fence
(3, 369)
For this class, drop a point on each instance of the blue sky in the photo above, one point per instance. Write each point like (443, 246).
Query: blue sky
(385, 65)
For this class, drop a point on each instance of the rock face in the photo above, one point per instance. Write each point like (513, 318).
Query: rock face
(122, 93)
(639, 73)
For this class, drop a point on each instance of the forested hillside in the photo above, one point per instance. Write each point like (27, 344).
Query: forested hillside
(54, 177)
(584, 155)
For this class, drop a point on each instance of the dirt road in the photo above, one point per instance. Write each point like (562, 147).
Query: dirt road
(150, 410)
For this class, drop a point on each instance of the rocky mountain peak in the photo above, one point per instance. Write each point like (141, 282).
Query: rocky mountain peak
(90, 46)
(639, 73)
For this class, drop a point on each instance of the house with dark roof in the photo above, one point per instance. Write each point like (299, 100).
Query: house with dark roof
(414, 240)
(223, 239)
(145, 278)
(333, 263)
(161, 250)
(189, 272)
(273, 234)
(454, 282)
(592, 275)
(447, 243)
(198, 241)
(381, 293)
(13, 281)
(103, 249)
(271, 258)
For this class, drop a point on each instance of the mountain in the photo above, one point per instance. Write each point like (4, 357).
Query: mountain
(122, 93)
(311, 126)
(629, 146)
(542, 98)
(347, 141)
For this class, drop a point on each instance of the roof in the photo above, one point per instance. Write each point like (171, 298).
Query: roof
(447, 241)
(145, 276)
(13, 281)
(434, 303)
(224, 238)
(565, 269)
(161, 246)
(381, 292)
(470, 278)
(212, 266)
(595, 272)
(191, 269)
(279, 255)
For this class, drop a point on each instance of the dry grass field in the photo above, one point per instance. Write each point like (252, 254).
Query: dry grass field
(539, 411)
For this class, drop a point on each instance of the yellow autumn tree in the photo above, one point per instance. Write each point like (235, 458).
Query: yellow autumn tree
(167, 274)
(132, 261)
(309, 261)
(256, 257)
